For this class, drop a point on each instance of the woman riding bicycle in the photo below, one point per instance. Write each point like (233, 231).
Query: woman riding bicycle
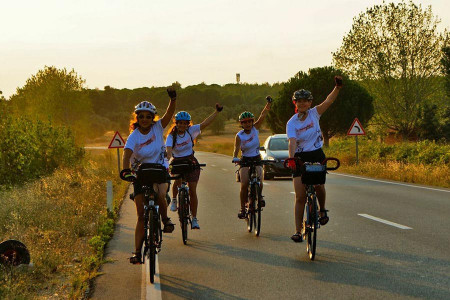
(146, 144)
(179, 144)
(247, 140)
(305, 142)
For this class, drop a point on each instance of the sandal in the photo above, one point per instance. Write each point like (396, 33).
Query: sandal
(168, 225)
(324, 218)
(297, 237)
(136, 258)
(242, 214)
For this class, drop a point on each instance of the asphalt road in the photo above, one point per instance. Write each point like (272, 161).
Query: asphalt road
(357, 256)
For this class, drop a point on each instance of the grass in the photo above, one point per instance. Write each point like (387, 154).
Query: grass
(63, 221)
(393, 162)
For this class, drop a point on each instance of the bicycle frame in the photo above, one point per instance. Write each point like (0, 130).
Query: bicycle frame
(184, 211)
(253, 211)
(311, 216)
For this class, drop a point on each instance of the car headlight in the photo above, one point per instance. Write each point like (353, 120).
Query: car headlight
(271, 158)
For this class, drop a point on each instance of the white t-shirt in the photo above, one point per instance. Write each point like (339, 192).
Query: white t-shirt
(183, 146)
(307, 133)
(148, 148)
(249, 142)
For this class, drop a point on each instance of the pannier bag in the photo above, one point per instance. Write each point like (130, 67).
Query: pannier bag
(313, 174)
(181, 166)
(151, 173)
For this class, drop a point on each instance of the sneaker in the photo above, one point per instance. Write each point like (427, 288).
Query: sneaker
(194, 224)
(173, 205)
(263, 202)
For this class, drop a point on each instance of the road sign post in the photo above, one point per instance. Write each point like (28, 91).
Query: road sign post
(356, 129)
(117, 142)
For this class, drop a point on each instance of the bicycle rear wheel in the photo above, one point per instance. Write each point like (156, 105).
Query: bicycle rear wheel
(258, 210)
(153, 240)
(183, 213)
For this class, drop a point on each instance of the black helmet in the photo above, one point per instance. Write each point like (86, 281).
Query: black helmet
(302, 94)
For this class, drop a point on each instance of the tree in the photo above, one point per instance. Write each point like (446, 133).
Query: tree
(395, 50)
(445, 61)
(353, 101)
(55, 94)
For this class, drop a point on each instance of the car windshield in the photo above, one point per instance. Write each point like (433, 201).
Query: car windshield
(278, 144)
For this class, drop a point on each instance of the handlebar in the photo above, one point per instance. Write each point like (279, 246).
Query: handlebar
(332, 159)
(324, 162)
(256, 162)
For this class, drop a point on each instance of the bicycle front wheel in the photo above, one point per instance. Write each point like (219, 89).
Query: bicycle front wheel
(251, 221)
(183, 213)
(153, 240)
(258, 209)
(314, 224)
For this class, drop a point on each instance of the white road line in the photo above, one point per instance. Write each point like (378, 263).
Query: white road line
(225, 169)
(293, 193)
(215, 154)
(397, 183)
(266, 183)
(151, 291)
(213, 165)
(384, 221)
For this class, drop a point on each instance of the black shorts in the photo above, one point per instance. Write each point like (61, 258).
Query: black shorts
(138, 185)
(194, 175)
(250, 158)
(312, 156)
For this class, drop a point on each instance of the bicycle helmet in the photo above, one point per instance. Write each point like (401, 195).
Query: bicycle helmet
(182, 116)
(145, 106)
(302, 94)
(246, 115)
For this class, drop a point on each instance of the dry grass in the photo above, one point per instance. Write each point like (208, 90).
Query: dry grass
(413, 173)
(60, 219)
(437, 175)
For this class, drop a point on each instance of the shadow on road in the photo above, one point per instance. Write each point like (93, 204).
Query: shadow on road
(397, 273)
(189, 290)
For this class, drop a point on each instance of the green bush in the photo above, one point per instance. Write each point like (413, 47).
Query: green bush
(31, 149)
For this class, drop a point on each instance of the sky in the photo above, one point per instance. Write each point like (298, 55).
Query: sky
(134, 43)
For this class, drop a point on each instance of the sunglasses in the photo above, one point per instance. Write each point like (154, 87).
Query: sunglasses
(246, 121)
(148, 117)
(302, 100)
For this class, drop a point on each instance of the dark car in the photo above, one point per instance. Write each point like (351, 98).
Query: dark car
(275, 148)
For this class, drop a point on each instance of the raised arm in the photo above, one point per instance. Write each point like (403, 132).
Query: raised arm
(165, 120)
(237, 146)
(263, 113)
(211, 117)
(322, 107)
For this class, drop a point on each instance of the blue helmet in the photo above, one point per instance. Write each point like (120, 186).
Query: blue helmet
(182, 116)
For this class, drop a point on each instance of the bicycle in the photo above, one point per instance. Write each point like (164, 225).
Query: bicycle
(184, 206)
(312, 174)
(254, 205)
(146, 174)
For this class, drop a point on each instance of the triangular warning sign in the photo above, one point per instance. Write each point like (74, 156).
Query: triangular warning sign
(356, 128)
(117, 141)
